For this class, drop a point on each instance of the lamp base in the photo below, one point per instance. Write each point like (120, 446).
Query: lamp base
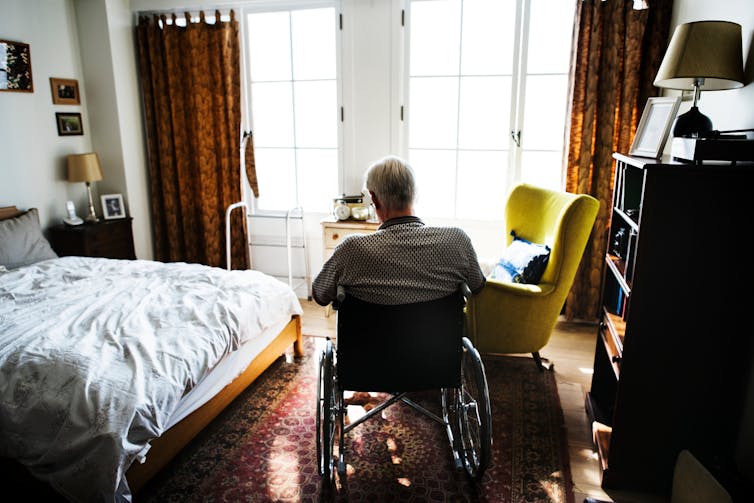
(691, 124)
(91, 218)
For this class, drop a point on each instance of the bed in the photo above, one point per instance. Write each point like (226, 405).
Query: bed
(109, 367)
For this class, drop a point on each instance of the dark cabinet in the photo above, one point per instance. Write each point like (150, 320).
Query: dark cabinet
(674, 346)
(108, 238)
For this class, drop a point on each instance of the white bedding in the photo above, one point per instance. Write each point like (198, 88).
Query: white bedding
(96, 354)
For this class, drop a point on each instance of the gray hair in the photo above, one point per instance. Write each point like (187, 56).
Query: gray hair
(392, 181)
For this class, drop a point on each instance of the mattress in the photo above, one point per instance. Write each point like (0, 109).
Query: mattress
(100, 356)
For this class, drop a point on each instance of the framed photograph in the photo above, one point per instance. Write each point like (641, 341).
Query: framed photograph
(15, 67)
(69, 124)
(654, 126)
(65, 91)
(112, 206)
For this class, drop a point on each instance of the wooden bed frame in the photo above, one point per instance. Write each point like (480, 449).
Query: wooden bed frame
(165, 447)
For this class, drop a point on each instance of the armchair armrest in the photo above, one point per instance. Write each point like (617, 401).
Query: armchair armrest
(519, 289)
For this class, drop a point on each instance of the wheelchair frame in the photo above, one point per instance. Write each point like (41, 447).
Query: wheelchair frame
(466, 411)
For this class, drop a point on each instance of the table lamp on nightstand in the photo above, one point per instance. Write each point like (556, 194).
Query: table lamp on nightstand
(85, 168)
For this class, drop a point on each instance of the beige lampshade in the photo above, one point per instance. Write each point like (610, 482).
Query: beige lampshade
(703, 49)
(84, 168)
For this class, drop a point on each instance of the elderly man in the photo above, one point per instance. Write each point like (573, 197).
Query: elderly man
(404, 261)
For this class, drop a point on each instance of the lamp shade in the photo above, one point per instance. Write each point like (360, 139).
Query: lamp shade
(84, 168)
(709, 50)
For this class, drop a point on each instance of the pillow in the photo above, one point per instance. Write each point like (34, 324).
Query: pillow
(522, 262)
(22, 242)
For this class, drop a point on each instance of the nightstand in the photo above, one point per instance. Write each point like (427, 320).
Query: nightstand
(107, 238)
(335, 231)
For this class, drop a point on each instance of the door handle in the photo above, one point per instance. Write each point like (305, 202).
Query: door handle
(516, 135)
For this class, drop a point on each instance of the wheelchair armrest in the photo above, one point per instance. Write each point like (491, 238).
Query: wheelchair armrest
(340, 296)
(465, 291)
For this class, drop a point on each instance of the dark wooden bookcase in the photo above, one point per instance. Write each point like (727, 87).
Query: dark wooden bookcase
(674, 347)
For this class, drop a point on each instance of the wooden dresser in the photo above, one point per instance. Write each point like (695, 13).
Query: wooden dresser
(107, 238)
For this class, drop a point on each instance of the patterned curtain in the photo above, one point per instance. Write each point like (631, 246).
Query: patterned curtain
(617, 51)
(191, 86)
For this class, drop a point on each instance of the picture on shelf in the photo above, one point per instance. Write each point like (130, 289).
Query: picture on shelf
(654, 127)
(112, 206)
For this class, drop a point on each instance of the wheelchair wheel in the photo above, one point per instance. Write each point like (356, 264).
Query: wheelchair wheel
(325, 416)
(474, 413)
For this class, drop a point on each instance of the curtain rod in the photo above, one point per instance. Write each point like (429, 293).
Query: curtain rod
(225, 6)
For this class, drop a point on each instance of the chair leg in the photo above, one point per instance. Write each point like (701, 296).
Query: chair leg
(542, 363)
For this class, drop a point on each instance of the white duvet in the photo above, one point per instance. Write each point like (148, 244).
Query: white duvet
(95, 355)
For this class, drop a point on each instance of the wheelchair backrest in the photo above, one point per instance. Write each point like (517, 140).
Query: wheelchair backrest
(405, 347)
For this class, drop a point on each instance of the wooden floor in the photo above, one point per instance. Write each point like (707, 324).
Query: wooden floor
(571, 349)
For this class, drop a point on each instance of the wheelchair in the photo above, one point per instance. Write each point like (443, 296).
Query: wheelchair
(395, 350)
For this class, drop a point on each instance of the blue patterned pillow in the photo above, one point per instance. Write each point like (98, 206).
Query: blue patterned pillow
(522, 262)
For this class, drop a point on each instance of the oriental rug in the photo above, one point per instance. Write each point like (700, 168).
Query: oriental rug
(263, 446)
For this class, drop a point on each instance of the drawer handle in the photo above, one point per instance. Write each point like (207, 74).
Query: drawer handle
(335, 236)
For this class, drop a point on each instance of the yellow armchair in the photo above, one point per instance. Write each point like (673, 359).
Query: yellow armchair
(519, 318)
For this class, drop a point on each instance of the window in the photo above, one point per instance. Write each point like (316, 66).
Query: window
(487, 98)
(292, 71)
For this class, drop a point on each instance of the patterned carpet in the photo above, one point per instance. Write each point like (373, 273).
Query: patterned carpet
(262, 448)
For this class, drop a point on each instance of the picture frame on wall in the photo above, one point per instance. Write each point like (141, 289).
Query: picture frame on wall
(112, 206)
(15, 67)
(69, 124)
(65, 91)
(654, 126)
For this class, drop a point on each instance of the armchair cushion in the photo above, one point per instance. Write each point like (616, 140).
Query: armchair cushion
(522, 262)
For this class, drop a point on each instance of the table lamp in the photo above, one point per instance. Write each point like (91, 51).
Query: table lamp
(701, 56)
(85, 168)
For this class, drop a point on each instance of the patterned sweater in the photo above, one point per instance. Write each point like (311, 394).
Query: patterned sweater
(403, 262)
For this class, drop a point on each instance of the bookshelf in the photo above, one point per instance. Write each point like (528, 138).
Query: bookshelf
(674, 346)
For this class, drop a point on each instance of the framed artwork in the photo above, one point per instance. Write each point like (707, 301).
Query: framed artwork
(69, 124)
(65, 91)
(15, 67)
(654, 126)
(112, 206)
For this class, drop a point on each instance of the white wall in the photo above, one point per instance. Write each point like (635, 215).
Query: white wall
(100, 56)
(32, 155)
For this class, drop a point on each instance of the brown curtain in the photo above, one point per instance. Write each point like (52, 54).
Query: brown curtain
(616, 54)
(191, 86)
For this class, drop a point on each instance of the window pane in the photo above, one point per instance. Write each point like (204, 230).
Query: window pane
(550, 34)
(435, 181)
(317, 178)
(481, 185)
(435, 37)
(276, 178)
(269, 46)
(544, 115)
(313, 44)
(488, 37)
(433, 113)
(272, 111)
(542, 169)
(316, 114)
(484, 112)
